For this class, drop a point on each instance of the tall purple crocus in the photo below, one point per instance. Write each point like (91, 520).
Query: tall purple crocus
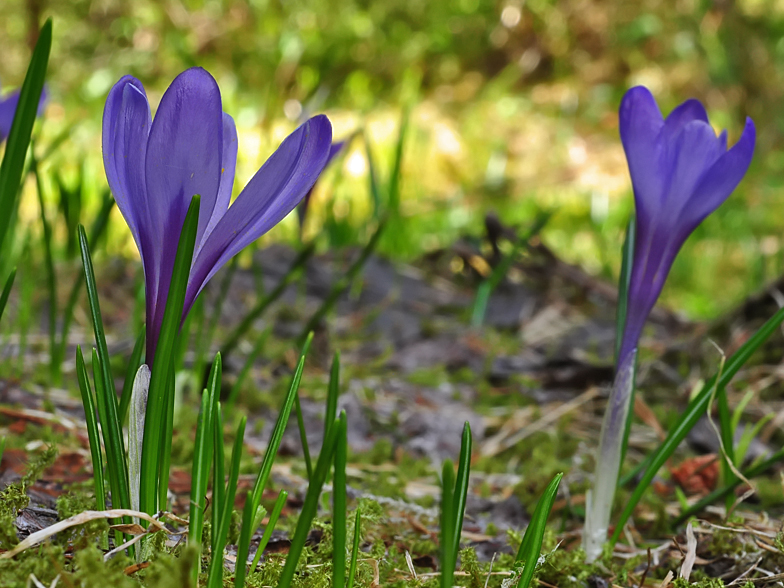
(681, 172)
(8, 110)
(154, 168)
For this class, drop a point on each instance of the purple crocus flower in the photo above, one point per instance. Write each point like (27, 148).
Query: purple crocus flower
(8, 110)
(681, 172)
(154, 168)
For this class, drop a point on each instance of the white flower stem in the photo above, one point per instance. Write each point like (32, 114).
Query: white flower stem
(599, 501)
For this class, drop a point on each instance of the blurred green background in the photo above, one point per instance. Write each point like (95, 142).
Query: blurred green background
(512, 108)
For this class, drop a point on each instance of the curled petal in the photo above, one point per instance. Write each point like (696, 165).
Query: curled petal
(640, 123)
(126, 126)
(686, 159)
(722, 178)
(690, 111)
(271, 194)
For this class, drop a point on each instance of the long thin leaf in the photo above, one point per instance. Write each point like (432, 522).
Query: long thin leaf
(202, 460)
(92, 430)
(446, 539)
(461, 488)
(243, 547)
(157, 423)
(531, 546)
(339, 505)
(280, 426)
(352, 568)
(104, 387)
(22, 128)
(280, 502)
(218, 472)
(692, 414)
(9, 283)
(309, 508)
(216, 565)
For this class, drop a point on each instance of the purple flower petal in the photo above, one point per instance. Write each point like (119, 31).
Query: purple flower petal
(126, 127)
(640, 123)
(271, 194)
(184, 155)
(7, 111)
(686, 159)
(228, 169)
(681, 172)
(722, 178)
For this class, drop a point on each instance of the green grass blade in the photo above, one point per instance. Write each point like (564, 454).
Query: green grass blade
(343, 283)
(531, 546)
(339, 505)
(262, 305)
(216, 565)
(393, 190)
(446, 539)
(373, 184)
(461, 488)
(22, 128)
(303, 437)
(251, 359)
(309, 507)
(113, 468)
(280, 426)
(166, 443)
(487, 287)
(159, 384)
(692, 414)
(134, 363)
(202, 460)
(243, 547)
(333, 392)
(727, 433)
(104, 388)
(92, 431)
(352, 567)
(273, 520)
(9, 283)
(218, 472)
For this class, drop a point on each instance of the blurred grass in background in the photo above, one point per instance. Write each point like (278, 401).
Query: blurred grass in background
(513, 109)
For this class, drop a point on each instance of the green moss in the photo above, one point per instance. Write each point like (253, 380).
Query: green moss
(93, 572)
(14, 497)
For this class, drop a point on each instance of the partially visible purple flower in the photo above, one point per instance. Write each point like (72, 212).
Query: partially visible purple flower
(302, 209)
(154, 168)
(681, 172)
(8, 109)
